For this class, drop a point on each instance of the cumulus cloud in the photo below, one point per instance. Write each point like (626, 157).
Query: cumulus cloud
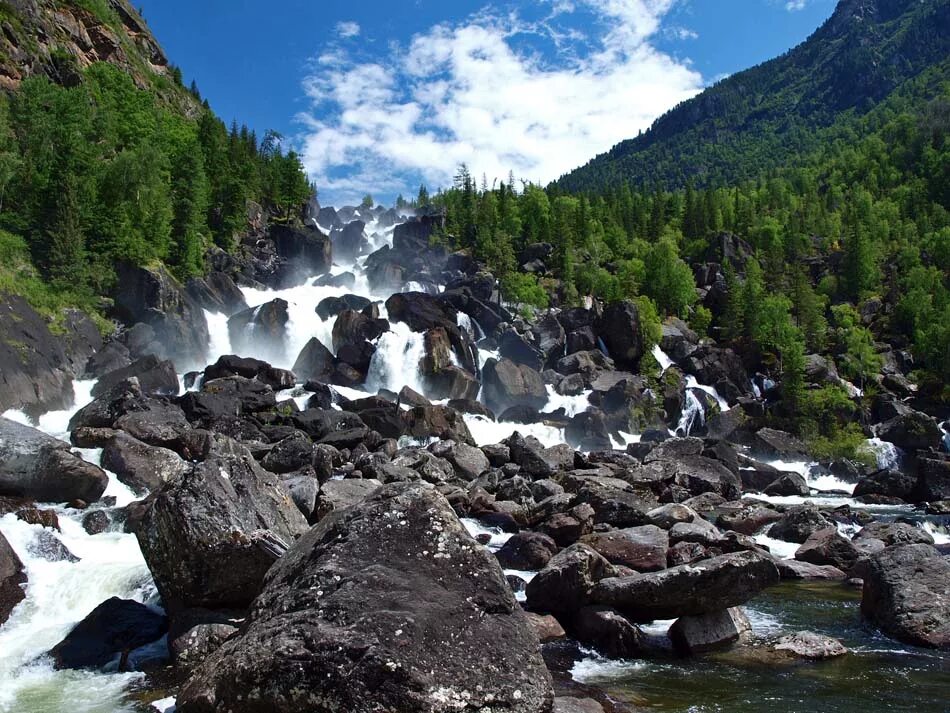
(480, 92)
(346, 30)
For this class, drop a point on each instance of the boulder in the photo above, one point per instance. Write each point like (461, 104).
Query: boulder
(576, 705)
(798, 523)
(42, 468)
(527, 551)
(469, 462)
(905, 594)
(688, 590)
(439, 422)
(893, 533)
(154, 377)
(827, 547)
(140, 466)
(12, 579)
(195, 634)
(708, 632)
(642, 549)
(263, 327)
(508, 384)
(208, 536)
(933, 480)
(330, 307)
(608, 631)
(809, 645)
(340, 494)
(565, 583)
(305, 248)
(353, 328)
(389, 605)
(315, 362)
(112, 630)
(349, 241)
(216, 292)
(911, 431)
(152, 296)
(619, 328)
(779, 444)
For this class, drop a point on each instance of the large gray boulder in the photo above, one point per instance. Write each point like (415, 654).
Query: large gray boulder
(907, 594)
(386, 606)
(210, 535)
(39, 467)
(508, 384)
(688, 590)
(140, 466)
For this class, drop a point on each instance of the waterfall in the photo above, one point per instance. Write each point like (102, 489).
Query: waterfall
(691, 383)
(662, 358)
(693, 413)
(220, 342)
(887, 454)
(396, 361)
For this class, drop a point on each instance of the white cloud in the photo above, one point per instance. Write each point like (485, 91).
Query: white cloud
(795, 5)
(474, 92)
(682, 33)
(346, 30)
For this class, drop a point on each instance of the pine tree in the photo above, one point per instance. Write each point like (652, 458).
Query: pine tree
(67, 253)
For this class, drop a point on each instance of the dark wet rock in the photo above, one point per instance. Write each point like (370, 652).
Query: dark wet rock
(566, 528)
(112, 630)
(207, 536)
(911, 431)
(315, 362)
(608, 631)
(520, 350)
(140, 466)
(905, 594)
(508, 384)
(47, 546)
(357, 591)
(827, 547)
(619, 328)
(154, 377)
(217, 292)
(330, 307)
(709, 632)
(113, 355)
(264, 325)
(933, 480)
(304, 491)
(809, 645)
(546, 626)
(304, 249)
(565, 583)
(289, 454)
(779, 444)
(588, 431)
(12, 579)
(788, 483)
(888, 483)
(39, 467)
(352, 328)
(96, 522)
(642, 549)
(527, 551)
(348, 241)
(150, 295)
(799, 522)
(688, 590)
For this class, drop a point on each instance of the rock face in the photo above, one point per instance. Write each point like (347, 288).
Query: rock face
(40, 467)
(716, 630)
(154, 297)
(386, 606)
(36, 366)
(907, 594)
(688, 590)
(112, 629)
(619, 327)
(206, 535)
(12, 577)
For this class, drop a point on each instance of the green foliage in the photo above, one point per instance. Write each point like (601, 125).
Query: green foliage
(668, 280)
(105, 171)
(524, 289)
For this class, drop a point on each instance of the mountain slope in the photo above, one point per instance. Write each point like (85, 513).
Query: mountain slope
(772, 114)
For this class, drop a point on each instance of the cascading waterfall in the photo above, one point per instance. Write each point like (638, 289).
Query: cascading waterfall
(692, 415)
(396, 361)
(888, 455)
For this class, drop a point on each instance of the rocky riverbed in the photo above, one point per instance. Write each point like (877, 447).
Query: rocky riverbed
(339, 474)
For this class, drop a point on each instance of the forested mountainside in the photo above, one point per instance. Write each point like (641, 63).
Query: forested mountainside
(779, 112)
(105, 157)
(829, 275)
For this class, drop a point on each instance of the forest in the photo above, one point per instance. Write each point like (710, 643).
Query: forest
(104, 171)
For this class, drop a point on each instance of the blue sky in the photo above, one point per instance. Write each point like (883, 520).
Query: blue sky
(380, 96)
